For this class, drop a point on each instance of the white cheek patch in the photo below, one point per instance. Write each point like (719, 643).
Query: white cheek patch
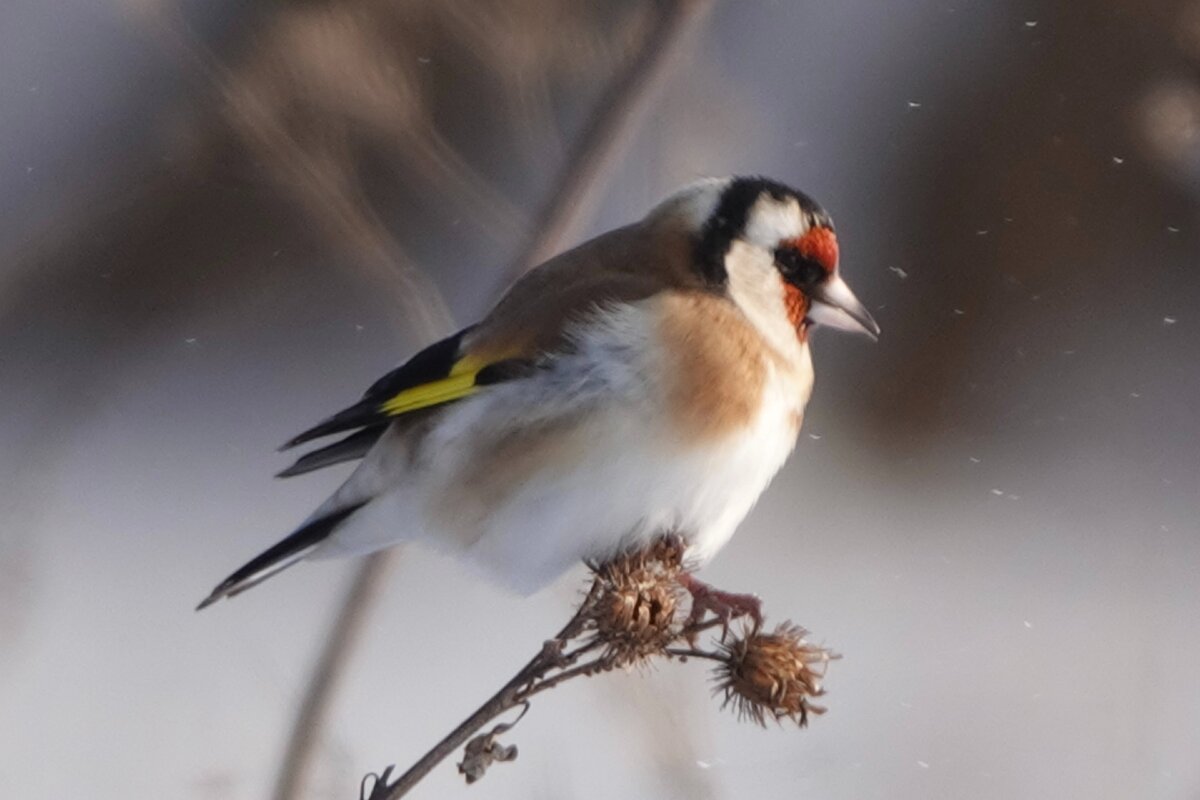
(757, 289)
(770, 221)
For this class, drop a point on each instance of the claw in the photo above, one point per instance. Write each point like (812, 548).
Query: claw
(725, 606)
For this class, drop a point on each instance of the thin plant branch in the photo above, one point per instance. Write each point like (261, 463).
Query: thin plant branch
(328, 671)
(691, 652)
(511, 695)
(631, 614)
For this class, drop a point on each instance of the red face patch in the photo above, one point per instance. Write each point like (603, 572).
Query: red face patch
(796, 305)
(819, 245)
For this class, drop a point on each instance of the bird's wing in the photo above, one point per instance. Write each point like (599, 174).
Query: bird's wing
(528, 324)
(528, 330)
(441, 373)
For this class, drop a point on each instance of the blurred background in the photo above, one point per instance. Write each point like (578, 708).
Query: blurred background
(221, 220)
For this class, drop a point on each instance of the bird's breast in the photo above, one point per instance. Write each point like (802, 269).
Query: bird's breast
(712, 367)
(720, 378)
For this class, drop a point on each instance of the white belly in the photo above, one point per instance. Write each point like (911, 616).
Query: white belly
(627, 484)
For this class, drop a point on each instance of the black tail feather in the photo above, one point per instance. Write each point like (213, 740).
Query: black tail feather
(280, 556)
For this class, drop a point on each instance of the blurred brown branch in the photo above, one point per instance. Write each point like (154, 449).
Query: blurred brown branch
(331, 664)
(632, 613)
(609, 128)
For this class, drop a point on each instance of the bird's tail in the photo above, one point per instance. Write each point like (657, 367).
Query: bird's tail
(282, 555)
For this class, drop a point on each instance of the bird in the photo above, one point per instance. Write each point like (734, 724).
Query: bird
(650, 381)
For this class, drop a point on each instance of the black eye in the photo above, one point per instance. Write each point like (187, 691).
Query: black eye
(797, 269)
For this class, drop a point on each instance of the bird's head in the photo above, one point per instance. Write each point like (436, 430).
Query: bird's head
(773, 250)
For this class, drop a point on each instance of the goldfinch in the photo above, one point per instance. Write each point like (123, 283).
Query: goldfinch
(651, 381)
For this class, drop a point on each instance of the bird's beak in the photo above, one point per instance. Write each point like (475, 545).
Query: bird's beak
(833, 304)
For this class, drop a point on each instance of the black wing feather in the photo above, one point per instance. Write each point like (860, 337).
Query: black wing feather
(352, 447)
(431, 364)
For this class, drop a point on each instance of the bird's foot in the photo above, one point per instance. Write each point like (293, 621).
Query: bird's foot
(725, 606)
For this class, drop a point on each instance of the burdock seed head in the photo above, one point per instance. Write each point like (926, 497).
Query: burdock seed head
(634, 614)
(772, 675)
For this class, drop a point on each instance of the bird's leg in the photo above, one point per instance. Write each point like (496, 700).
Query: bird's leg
(724, 605)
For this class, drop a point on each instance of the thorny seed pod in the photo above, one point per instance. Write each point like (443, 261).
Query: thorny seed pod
(634, 615)
(772, 675)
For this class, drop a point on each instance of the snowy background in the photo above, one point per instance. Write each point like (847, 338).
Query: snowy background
(993, 512)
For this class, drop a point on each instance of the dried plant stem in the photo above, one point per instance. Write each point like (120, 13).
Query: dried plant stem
(330, 666)
(690, 652)
(511, 695)
(551, 667)
(496, 705)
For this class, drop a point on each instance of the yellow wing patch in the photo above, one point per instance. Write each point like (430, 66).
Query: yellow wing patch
(458, 384)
